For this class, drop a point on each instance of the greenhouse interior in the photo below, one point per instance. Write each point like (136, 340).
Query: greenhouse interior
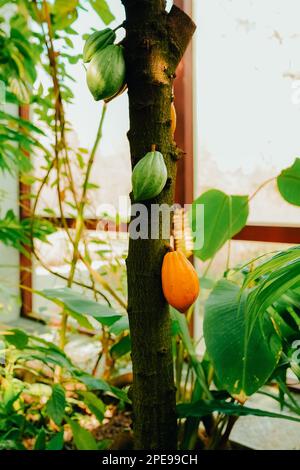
(149, 227)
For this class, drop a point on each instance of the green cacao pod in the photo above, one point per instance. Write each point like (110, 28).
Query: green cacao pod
(149, 176)
(97, 41)
(106, 72)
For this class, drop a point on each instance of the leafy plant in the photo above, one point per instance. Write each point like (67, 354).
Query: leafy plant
(26, 419)
(251, 316)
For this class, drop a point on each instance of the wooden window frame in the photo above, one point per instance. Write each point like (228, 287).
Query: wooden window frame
(183, 91)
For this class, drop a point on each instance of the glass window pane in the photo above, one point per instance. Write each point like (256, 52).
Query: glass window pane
(111, 170)
(107, 251)
(248, 111)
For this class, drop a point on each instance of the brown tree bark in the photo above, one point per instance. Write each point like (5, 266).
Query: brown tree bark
(154, 44)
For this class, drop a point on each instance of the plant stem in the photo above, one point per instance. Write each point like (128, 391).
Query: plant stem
(99, 279)
(231, 420)
(80, 217)
(80, 224)
(228, 255)
(261, 186)
(208, 266)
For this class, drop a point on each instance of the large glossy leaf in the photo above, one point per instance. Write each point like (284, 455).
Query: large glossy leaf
(244, 354)
(274, 278)
(224, 216)
(77, 303)
(288, 183)
(272, 287)
(205, 407)
(272, 264)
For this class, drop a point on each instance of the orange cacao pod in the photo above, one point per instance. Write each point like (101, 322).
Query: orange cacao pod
(173, 118)
(180, 281)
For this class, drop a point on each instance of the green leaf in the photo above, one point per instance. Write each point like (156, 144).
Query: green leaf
(56, 404)
(205, 407)
(10, 395)
(20, 89)
(244, 354)
(121, 348)
(102, 9)
(272, 286)
(65, 13)
(207, 283)
(81, 320)
(272, 264)
(95, 383)
(16, 233)
(9, 444)
(49, 353)
(92, 383)
(83, 439)
(57, 442)
(224, 217)
(21, 122)
(61, 7)
(40, 442)
(270, 291)
(95, 405)
(77, 303)
(288, 183)
(104, 444)
(17, 338)
(120, 326)
(180, 327)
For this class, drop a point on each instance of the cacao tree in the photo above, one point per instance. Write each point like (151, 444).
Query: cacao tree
(154, 45)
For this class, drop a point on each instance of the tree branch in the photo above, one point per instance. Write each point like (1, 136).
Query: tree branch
(181, 30)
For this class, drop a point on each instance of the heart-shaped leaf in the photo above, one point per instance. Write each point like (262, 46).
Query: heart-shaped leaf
(224, 217)
(244, 353)
(288, 183)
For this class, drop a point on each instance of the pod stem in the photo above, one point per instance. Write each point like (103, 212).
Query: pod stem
(122, 25)
(170, 246)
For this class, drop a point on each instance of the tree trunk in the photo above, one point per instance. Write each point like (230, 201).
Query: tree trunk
(154, 44)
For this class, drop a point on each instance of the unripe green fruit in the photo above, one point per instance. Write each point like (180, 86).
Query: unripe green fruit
(97, 41)
(106, 72)
(149, 176)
